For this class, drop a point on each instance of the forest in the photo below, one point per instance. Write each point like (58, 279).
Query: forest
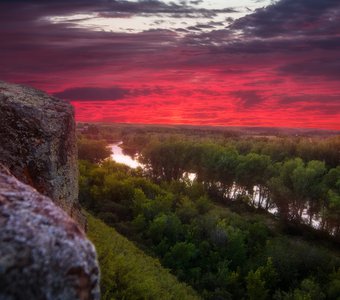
(234, 215)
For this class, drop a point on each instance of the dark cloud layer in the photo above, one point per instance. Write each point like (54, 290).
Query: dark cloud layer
(321, 66)
(292, 17)
(108, 93)
(88, 93)
(248, 98)
(264, 60)
(115, 8)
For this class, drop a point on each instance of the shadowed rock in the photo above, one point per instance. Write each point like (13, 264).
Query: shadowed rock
(43, 252)
(38, 144)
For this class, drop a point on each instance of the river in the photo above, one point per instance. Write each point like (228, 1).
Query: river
(118, 156)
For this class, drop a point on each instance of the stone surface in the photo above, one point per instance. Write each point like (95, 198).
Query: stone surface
(43, 252)
(38, 144)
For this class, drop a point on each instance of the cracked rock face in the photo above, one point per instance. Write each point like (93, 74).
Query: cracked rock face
(43, 252)
(38, 144)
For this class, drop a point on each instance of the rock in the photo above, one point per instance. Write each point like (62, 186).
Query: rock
(38, 144)
(43, 252)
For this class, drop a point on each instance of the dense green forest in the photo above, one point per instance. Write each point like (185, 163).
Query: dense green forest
(214, 232)
(128, 273)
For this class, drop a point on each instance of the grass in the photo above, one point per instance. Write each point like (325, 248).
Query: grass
(128, 273)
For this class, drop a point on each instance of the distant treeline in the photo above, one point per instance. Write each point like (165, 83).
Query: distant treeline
(279, 144)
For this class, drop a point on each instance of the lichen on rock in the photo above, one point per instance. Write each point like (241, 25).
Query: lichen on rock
(43, 252)
(38, 144)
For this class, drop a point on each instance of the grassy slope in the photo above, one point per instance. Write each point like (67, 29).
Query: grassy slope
(128, 273)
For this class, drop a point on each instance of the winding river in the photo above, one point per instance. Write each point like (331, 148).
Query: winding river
(118, 156)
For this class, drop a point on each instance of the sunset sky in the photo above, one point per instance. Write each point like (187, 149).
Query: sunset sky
(204, 62)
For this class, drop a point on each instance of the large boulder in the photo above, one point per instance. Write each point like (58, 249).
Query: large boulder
(38, 144)
(43, 252)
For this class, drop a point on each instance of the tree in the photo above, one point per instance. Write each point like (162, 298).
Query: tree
(253, 170)
(256, 286)
(186, 210)
(93, 150)
(262, 281)
(333, 290)
(181, 255)
(307, 187)
(308, 290)
(166, 161)
(165, 226)
(332, 205)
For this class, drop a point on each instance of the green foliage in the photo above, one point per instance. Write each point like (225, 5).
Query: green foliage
(253, 169)
(168, 160)
(297, 175)
(295, 187)
(127, 273)
(93, 150)
(308, 290)
(165, 226)
(187, 224)
(333, 290)
(256, 289)
(181, 255)
(262, 282)
(223, 255)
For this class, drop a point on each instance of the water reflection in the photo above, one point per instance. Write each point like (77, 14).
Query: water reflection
(189, 176)
(264, 202)
(119, 157)
(256, 201)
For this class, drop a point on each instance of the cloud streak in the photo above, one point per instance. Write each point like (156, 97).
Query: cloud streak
(93, 93)
(269, 66)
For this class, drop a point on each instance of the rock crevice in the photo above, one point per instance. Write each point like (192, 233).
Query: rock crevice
(38, 144)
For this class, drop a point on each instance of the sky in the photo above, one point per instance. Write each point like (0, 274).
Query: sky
(200, 62)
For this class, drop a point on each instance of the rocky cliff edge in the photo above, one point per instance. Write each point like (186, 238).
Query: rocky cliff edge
(38, 144)
(44, 253)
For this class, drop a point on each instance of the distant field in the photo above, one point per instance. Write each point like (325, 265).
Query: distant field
(232, 130)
